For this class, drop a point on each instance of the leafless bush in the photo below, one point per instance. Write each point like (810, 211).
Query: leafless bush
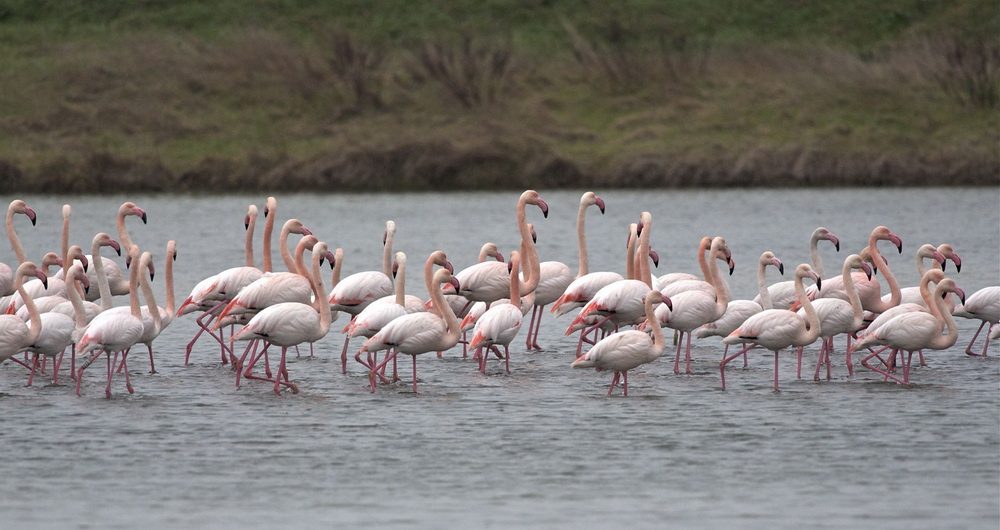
(967, 68)
(358, 69)
(259, 62)
(619, 61)
(473, 74)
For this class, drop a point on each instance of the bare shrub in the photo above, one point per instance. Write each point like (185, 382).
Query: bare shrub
(260, 62)
(358, 70)
(472, 74)
(967, 68)
(617, 60)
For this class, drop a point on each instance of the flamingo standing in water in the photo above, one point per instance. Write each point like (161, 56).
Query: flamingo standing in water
(739, 310)
(916, 330)
(113, 332)
(837, 316)
(775, 329)
(291, 323)
(628, 349)
(57, 329)
(501, 322)
(418, 333)
(984, 305)
(16, 334)
(556, 278)
(355, 292)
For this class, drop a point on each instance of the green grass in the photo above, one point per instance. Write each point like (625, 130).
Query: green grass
(180, 82)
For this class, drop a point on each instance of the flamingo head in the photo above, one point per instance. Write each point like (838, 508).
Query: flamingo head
(805, 271)
(130, 208)
(655, 257)
(269, 205)
(600, 203)
(531, 197)
(19, 206)
(768, 258)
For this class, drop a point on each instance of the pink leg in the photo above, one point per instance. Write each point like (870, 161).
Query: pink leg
(34, 366)
(776, 371)
(111, 363)
(128, 380)
(687, 354)
(968, 349)
(506, 355)
(864, 362)
(798, 371)
(614, 381)
(625, 382)
(415, 373)
(677, 357)
(343, 356)
(725, 361)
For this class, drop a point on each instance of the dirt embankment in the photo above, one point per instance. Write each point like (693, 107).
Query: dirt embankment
(441, 166)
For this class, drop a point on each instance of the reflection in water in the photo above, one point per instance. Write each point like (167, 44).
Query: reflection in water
(542, 445)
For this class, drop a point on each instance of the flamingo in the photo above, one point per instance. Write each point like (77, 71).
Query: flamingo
(775, 329)
(15, 334)
(57, 329)
(7, 279)
(355, 292)
(555, 277)
(626, 350)
(837, 316)
(783, 293)
(622, 302)
(916, 330)
(739, 310)
(291, 323)
(418, 333)
(151, 314)
(501, 322)
(49, 298)
(696, 307)
(869, 289)
(911, 294)
(384, 310)
(113, 332)
(984, 305)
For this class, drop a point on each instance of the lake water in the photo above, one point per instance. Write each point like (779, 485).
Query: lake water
(543, 446)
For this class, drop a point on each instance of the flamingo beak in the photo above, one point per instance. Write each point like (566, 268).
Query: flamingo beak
(85, 262)
(600, 203)
(140, 213)
(896, 241)
(114, 244)
(246, 222)
(655, 257)
(41, 276)
(835, 240)
(960, 293)
(31, 214)
(544, 207)
(867, 269)
(331, 258)
(500, 257)
(448, 265)
(454, 281)
(306, 231)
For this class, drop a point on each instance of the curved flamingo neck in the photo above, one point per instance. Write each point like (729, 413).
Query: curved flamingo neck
(814, 255)
(401, 279)
(852, 294)
(529, 253)
(248, 240)
(895, 295)
(452, 325)
(943, 316)
(703, 247)
(390, 233)
(722, 294)
(765, 295)
(337, 267)
(133, 283)
(75, 296)
(33, 316)
(515, 269)
(168, 271)
(812, 319)
(581, 239)
(123, 236)
(319, 290)
(64, 248)
(102, 277)
(269, 211)
(286, 256)
(15, 241)
(630, 253)
(659, 342)
(146, 262)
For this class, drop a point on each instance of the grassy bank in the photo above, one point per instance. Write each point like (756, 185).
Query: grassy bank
(400, 95)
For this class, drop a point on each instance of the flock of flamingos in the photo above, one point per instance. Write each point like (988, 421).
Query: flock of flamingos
(47, 315)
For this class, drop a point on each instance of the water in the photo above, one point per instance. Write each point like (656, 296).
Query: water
(543, 446)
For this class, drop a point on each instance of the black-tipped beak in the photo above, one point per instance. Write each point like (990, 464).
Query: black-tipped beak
(246, 223)
(544, 207)
(732, 267)
(600, 204)
(670, 305)
(819, 283)
(330, 257)
(656, 258)
(447, 265)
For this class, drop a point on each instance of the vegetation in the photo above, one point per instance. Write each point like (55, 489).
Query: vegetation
(192, 95)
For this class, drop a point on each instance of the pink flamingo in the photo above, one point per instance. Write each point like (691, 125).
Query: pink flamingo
(555, 277)
(355, 292)
(916, 330)
(984, 305)
(116, 279)
(869, 289)
(16, 334)
(113, 332)
(696, 307)
(151, 314)
(291, 323)
(837, 316)
(418, 333)
(739, 310)
(57, 329)
(775, 329)
(628, 349)
(501, 322)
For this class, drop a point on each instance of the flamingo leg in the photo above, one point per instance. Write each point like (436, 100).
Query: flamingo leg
(864, 362)
(776, 371)
(414, 374)
(34, 366)
(614, 381)
(968, 349)
(625, 382)
(343, 355)
(687, 354)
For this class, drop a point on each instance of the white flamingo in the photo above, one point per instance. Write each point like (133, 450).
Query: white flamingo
(776, 329)
(501, 322)
(917, 330)
(783, 293)
(7, 279)
(16, 334)
(58, 329)
(418, 333)
(291, 323)
(984, 305)
(628, 349)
